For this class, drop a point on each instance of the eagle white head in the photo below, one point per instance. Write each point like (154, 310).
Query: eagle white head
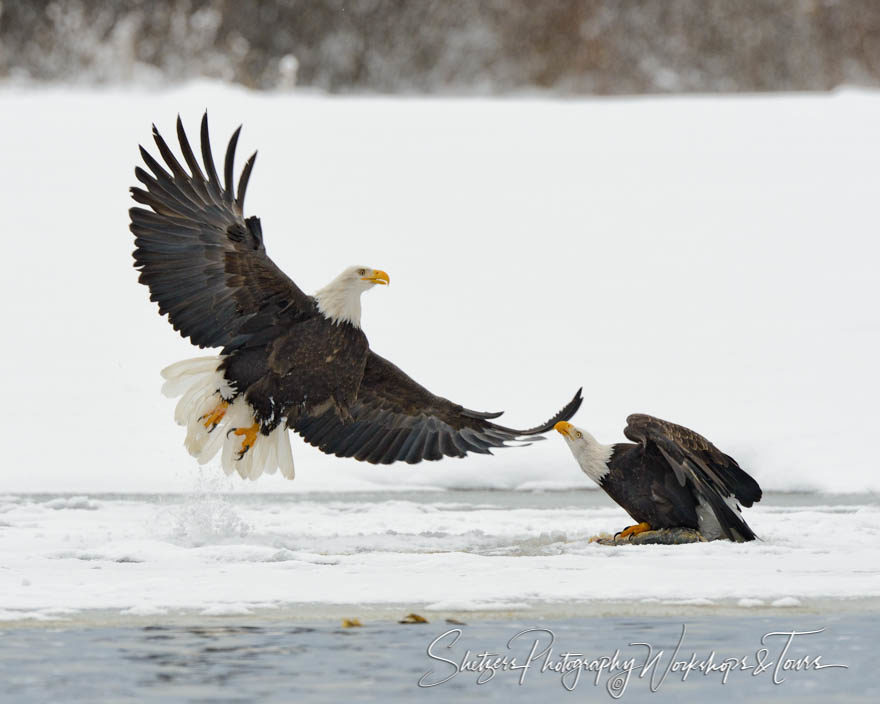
(340, 300)
(591, 455)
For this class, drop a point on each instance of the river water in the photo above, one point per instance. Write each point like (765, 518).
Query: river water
(246, 660)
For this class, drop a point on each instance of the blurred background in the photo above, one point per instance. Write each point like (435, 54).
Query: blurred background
(670, 203)
(567, 47)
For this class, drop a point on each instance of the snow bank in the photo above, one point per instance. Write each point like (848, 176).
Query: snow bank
(129, 556)
(708, 260)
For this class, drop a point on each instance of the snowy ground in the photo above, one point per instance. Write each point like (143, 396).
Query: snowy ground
(711, 261)
(441, 553)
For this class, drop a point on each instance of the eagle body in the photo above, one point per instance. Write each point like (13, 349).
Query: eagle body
(640, 483)
(312, 366)
(287, 360)
(668, 477)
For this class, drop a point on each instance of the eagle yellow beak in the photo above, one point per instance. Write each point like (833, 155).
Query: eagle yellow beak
(563, 427)
(378, 277)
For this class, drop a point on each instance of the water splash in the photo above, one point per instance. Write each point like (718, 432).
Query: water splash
(207, 516)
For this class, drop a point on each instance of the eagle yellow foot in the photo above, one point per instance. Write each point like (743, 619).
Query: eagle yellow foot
(250, 437)
(633, 530)
(214, 416)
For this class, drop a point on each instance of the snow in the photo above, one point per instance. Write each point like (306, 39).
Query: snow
(747, 602)
(484, 606)
(708, 260)
(142, 556)
(786, 601)
(226, 610)
(80, 502)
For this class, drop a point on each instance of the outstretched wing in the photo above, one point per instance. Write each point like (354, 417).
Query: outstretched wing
(395, 419)
(205, 264)
(695, 461)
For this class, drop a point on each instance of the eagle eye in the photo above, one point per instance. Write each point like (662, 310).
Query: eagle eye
(580, 434)
(362, 272)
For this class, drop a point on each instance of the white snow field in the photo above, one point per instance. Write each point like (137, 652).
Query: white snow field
(137, 557)
(712, 261)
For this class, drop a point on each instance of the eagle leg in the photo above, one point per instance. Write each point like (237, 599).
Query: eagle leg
(633, 530)
(250, 437)
(215, 415)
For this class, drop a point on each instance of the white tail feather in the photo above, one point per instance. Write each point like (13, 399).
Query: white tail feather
(271, 460)
(285, 454)
(259, 459)
(178, 386)
(196, 365)
(203, 389)
(200, 398)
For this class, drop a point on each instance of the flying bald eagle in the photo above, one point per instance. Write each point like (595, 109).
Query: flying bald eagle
(668, 477)
(288, 360)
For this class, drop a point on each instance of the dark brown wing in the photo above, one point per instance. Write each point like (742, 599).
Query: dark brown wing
(395, 419)
(205, 264)
(695, 461)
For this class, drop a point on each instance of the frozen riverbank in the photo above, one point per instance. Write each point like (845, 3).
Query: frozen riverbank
(443, 552)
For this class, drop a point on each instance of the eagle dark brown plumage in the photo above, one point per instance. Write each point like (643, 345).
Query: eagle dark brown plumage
(287, 359)
(669, 477)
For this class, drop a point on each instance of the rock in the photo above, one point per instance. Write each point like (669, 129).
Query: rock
(414, 618)
(664, 536)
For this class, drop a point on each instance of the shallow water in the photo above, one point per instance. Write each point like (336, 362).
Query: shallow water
(243, 660)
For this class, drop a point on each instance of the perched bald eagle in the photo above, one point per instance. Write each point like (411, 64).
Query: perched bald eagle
(668, 477)
(288, 360)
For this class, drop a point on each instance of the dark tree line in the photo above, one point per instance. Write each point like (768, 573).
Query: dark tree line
(493, 46)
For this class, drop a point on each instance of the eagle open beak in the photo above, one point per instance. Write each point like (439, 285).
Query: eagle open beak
(563, 427)
(378, 277)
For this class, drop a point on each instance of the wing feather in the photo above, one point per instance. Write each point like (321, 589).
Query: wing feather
(394, 419)
(696, 462)
(229, 166)
(207, 158)
(205, 264)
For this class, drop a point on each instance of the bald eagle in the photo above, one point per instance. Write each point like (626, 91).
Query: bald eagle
(668, 477)
(287, 359)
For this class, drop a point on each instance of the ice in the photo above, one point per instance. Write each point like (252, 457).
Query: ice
(711, 260)
(80, 502)
(461, 553)
(786, 601)
(745, 601)
(466, 605)
(226, 610)
(144, 610)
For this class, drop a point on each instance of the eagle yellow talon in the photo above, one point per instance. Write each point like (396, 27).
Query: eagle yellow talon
(213, 417)
(250, 437)
(634, 530)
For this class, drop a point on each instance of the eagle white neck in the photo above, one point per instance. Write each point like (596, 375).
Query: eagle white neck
(340, 302)
(592, 456)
